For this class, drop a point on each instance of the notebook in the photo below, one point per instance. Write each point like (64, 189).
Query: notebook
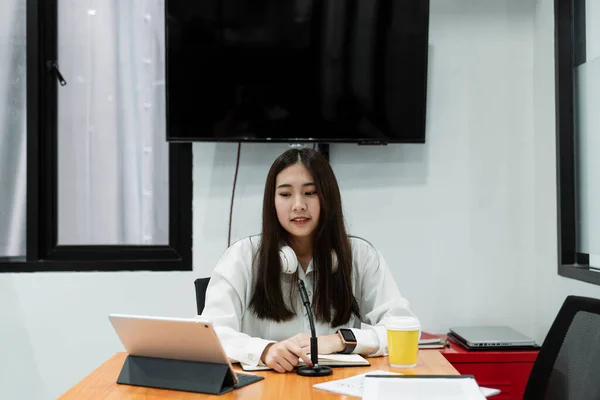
(331, 360)
(429, 341)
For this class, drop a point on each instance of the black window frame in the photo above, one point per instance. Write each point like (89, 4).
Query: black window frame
(42, 250)
(569, 52)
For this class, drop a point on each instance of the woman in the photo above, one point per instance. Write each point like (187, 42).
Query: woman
(255, 305)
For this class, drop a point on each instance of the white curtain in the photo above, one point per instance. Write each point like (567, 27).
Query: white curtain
(113, 154)
(13, 134)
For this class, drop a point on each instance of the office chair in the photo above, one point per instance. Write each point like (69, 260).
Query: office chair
(201, 285)
(568, 364)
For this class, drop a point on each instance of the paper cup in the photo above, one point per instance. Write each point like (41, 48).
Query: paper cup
(403, 341)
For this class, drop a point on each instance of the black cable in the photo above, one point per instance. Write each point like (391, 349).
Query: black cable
(237, 166)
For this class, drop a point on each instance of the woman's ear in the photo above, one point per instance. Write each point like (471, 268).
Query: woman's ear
(289, 262)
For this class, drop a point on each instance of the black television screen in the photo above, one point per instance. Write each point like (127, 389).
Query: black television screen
(297, 70)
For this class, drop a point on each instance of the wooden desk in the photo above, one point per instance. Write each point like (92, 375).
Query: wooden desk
(101, 383)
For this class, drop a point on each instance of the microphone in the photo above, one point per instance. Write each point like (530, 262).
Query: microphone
(316, 369)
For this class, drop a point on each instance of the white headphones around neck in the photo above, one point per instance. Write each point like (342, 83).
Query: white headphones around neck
(289, 261)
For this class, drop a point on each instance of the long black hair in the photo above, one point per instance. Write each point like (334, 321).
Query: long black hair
(333, 301)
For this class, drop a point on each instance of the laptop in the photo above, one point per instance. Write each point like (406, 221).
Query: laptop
(490, 338)
(188, 339)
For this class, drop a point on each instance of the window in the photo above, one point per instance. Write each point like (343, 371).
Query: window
(104, 190)
(578, 131)
(13, 165)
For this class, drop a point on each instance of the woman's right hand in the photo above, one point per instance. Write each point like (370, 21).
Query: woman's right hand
(283, 356)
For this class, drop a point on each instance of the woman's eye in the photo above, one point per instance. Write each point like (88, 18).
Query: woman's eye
(284, 194)
(310, 193)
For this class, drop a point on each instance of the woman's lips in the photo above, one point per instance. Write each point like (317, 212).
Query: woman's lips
(300, 220)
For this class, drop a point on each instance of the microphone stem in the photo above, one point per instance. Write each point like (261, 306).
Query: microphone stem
(313, 332)
(314, 350)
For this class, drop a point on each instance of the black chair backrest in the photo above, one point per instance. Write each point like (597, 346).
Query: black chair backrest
(201, 285)
(568, 364)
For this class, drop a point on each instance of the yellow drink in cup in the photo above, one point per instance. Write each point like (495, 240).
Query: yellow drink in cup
(403, 335)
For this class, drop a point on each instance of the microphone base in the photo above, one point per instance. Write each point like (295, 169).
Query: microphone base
(311, 371)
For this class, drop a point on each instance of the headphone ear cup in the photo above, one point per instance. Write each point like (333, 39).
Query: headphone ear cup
(289, 262)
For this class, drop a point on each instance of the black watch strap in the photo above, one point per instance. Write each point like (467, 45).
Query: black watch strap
(349, 348)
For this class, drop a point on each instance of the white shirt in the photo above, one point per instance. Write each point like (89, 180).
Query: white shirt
(244, 336)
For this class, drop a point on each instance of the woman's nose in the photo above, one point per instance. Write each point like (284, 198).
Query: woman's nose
(299, 204)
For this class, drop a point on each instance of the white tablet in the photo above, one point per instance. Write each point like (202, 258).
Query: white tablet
(188, 339)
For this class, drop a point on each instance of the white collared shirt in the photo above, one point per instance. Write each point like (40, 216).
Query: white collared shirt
(244, 336)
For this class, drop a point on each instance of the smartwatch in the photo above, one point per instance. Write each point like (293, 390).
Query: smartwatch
(348, 339)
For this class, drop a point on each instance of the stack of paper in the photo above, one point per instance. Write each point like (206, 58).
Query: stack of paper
(438, 343)
(429, 341)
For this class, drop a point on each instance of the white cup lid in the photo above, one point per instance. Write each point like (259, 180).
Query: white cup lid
(403, 323)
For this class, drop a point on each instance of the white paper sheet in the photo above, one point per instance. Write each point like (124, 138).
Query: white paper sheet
(450, 388)
(354, 385)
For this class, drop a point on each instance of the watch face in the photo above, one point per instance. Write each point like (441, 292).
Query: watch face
(348, 335)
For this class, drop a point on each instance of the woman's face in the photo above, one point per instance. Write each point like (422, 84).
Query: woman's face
(296, 201)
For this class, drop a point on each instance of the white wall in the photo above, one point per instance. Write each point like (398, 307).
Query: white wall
(551, 288)
(453, 217)
(592, 29)
(457, 218)
(54, 328)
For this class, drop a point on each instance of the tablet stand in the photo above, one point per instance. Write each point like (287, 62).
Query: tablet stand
(188, 376)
